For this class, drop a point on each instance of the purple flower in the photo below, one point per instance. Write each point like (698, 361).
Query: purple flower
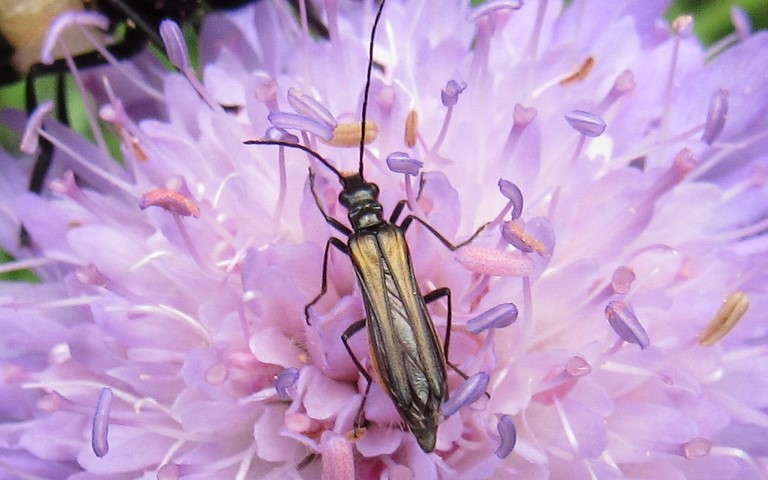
(191, 312)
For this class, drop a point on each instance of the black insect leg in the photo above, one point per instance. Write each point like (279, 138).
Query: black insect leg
(397, 211)
(436, 295)
(324, 286)
(351, 330)
(329, 219)
(410, 218)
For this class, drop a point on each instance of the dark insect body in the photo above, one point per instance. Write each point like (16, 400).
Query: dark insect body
(406, 353)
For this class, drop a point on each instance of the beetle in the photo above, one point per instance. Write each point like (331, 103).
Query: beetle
(406, 353)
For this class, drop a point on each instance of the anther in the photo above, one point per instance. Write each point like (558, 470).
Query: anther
(508, 434)
(492, 261)
(170, 200)
(472, 389)
(411, 128)
(731, 311)
(515, 196)
(515, 234)
(307, 106)
(101, 423)
(401, 162)
(294, 121)
(285, 381)
(30, 139)
(581, 73)
(716, 114)
(348, 134)
(587, 124)
(450, 94)
(62, 23)
(624, 322)
(499, 316)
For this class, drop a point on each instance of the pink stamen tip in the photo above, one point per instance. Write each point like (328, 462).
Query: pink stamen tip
(337, 456)
(90, 275)
(683, 25)
(577, 367)
(697, 447)
(491, 261)
(170, 200)
(622, 279)
(524, 115)
(684, 162)
(625, 82)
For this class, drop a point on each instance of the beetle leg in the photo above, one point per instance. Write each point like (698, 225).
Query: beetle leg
(431, 297)
(351, 330)
(410, 218)
(324, 285)
(436, 295)
(331, 221)
(397, 211)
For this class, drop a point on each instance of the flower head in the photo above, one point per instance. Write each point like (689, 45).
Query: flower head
(177, 331)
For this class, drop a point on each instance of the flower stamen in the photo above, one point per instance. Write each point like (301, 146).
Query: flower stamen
(508, 434)
(99, 441)
(347, 135)
(499, 316)
(731, 311)
(624, 322)
(411, 128)
(469, 392)
(581, 73)
(178, 54)
(495, 262)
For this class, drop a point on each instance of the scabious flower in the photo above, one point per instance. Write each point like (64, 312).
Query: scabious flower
(622, 171)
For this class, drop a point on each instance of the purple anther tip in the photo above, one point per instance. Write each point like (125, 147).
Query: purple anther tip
(293, 121)
(508, 434)
(275, 133)
(499, 316)
(401, 162)
(450, 94)
(307, 106)
(472, 389)
(513, 193)
(175, 44)
(285, 381)
(586, 123)
(625, 323)
(100, 428)
(716, 114)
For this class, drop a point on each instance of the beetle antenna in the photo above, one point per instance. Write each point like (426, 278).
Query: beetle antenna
(308, 150)
(368, 86)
